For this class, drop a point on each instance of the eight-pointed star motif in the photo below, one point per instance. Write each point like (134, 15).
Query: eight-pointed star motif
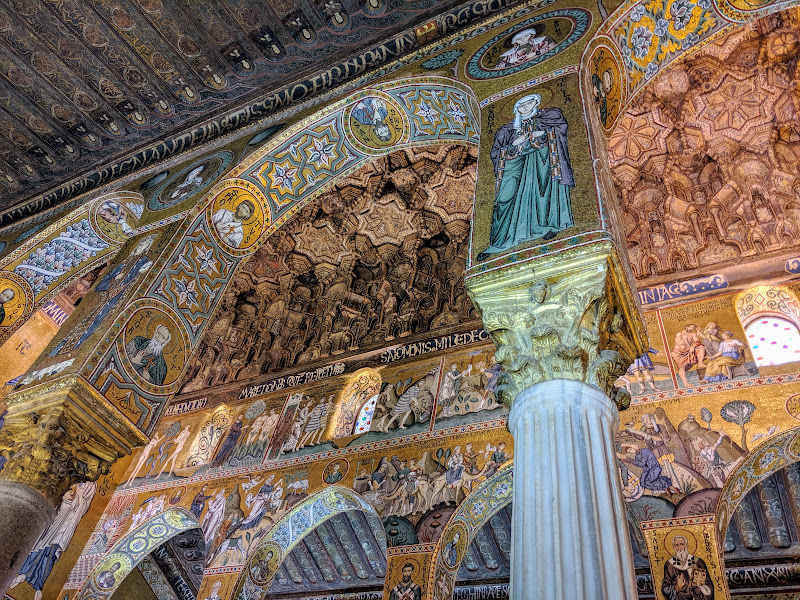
(186, 292)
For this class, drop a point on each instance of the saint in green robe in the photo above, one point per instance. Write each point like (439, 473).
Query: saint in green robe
(534, 179)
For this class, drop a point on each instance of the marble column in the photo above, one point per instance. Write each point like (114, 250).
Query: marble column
(565, 329)
(54, 436)
(571, 540)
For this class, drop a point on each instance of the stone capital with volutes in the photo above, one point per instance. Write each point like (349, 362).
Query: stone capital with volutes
(61, 433)
(571, 315)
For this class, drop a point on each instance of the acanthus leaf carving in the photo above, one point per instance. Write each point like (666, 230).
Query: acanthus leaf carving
(50, 452)
(569, 326)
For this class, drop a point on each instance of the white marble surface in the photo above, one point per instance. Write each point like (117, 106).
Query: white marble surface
(569, 531)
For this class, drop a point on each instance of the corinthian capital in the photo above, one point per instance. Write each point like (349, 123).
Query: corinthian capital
(573, 317)
(61, 434)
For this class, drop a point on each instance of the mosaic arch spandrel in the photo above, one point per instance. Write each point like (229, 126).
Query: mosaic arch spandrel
(475, 511)
(260, 194)
(129, 551)
(58, 253)
(301, 520)
(643, 38)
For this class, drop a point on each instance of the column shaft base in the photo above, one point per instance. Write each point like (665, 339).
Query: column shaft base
(569, 533)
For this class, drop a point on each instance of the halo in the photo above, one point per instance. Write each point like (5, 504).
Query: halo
(691, 541)
(403, 561)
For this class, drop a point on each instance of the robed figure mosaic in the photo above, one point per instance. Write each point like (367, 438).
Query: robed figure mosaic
(533, 177)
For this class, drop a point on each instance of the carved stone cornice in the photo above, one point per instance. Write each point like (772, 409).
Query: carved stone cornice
(60, 433)
(571, 315)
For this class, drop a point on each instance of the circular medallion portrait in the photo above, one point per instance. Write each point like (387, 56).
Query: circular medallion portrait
(376, 122)
(528, 43)
(264, 563)
(335, 471)
(112, 570)
(113, 220)
(607, 88)
(454, 544)
(236, 218)
(793, 406)
(16, 298)
(189, 181)
(154, 347)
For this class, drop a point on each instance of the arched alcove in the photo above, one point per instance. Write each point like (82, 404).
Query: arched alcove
(333, 540)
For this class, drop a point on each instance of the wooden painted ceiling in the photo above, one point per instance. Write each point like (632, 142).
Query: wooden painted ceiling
(85, 82)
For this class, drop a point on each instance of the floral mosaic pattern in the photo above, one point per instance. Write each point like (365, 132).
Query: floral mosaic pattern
(658, 31)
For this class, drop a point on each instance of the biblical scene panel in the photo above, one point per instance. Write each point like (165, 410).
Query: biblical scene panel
(651, 372)
(707, 343)
(674, 456)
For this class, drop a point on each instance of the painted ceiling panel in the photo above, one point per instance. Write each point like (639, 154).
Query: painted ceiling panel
(83, 82)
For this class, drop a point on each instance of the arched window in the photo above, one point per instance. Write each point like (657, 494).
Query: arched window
(773, 341)
(770, 316)
(208, 437)
(364, 419)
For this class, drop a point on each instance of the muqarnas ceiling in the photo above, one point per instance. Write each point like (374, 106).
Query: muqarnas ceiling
(706, 161)
(379, 259)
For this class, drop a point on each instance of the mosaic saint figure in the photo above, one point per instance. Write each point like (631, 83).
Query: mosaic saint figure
(214, 517)
(526, 46)
(143, 456)
(651, 477)
(451, 551)
(372, 111)
(688, 351)
(234, 433)
(180, 442)
(52, 543)
(602, 85)
(730, 354)
(116, 283)
(406, 589)
(112, 213)
(533, 175)
(686, 576)
(199, 502)
(335, 476)
(7, 295)
(147, 355)
(106, 580)
(214, 595)
(229, 223)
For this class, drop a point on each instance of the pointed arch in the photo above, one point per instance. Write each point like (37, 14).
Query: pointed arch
(472, 514)
(129, 551)
(772, 456)
(289, 531)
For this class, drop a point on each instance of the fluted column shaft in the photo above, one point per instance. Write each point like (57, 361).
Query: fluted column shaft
(569, 532)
